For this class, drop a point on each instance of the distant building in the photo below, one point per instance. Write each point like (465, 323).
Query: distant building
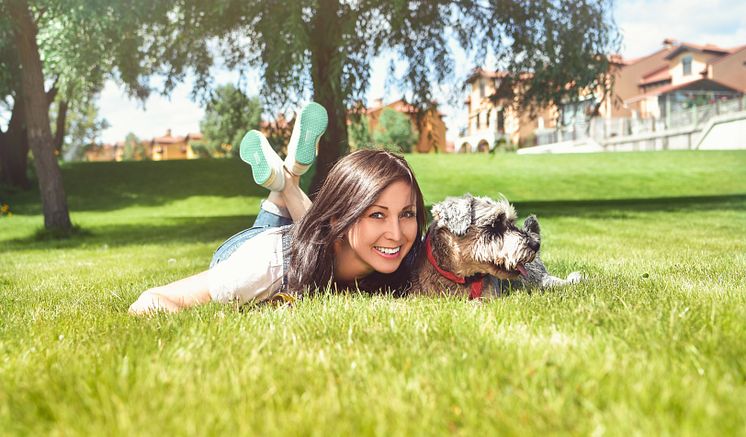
(105, 152)
(678, 76)
(166, 147)
(492, 118)
(431, 128)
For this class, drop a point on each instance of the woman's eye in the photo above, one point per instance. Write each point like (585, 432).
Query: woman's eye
(376, 215)
(408, 214)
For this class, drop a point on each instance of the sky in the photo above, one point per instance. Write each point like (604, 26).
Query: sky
(643, 24)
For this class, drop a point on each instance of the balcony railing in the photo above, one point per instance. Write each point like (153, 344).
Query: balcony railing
(600, 129)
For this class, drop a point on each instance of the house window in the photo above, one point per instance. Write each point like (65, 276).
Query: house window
(686, 64)
(481, 86)
(489, 113)
(478, 117)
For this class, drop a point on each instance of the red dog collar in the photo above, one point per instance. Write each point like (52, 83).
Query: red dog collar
(476, 282)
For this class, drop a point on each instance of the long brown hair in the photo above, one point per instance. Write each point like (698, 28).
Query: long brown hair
(352, 186)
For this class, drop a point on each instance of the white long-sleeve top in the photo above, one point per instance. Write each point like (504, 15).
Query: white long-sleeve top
(252, 273)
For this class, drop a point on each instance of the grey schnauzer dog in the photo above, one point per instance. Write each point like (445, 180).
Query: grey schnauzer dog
(473, 247)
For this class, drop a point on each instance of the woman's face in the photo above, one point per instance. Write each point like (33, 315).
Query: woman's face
(381, 237)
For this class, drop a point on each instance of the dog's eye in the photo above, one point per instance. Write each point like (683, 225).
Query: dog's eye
(497, 227)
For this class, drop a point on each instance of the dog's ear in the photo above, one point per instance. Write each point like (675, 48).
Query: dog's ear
(531, 225)
(454, 214)
(490, 212)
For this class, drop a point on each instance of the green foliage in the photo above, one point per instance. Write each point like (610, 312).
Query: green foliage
(531, 37)
(394, 130)
(651, 343)
(228, 116)
(134, 149)
(83, 127)
(360, 137)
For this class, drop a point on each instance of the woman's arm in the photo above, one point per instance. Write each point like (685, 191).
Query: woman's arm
(175, 296)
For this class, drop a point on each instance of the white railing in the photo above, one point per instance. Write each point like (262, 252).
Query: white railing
(603, 129)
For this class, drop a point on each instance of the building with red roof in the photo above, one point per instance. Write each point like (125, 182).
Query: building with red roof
(677, 76)
(430, 127)
(165, 147)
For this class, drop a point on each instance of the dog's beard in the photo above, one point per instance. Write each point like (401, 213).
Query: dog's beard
(504, 257)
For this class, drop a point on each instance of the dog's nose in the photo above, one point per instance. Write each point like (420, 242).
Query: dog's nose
(534, 244)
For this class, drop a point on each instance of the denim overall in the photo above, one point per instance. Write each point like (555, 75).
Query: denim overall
(264, 220)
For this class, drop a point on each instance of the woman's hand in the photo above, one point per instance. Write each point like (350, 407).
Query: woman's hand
(151, 301)
(174, 297)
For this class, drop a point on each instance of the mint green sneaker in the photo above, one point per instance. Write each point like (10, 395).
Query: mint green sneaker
(266, 166)
(310, 124)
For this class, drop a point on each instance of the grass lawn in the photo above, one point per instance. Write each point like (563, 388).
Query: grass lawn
(653, 343)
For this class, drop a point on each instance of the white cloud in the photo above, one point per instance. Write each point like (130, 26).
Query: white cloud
(645, 24)
(176, 112)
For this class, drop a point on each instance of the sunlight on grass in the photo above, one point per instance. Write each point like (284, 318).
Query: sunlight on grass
(651, 343)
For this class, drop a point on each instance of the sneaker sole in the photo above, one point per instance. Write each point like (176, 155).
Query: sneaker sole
(313, 122)
(252, 154)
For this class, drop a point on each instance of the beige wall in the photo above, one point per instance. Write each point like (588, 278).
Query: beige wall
(676, 67)
(519, 126)
(162, 152)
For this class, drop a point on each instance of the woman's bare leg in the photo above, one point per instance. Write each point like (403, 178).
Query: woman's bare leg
(291, 197)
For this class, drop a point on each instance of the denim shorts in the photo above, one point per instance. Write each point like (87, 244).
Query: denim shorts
(264, 220)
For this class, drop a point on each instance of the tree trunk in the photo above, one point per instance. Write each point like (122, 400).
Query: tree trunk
(39, 132)
(326, 73)
(59, 132)
(14, 150)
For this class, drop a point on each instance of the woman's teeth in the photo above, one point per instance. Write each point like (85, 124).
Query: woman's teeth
(388, 250)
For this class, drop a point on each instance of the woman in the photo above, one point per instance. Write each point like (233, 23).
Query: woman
(362, 230)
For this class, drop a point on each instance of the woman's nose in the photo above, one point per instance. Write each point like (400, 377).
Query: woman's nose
(394, 229)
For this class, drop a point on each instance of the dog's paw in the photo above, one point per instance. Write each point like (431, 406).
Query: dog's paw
(574, 277)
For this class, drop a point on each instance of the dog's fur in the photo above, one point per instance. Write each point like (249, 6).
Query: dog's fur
(472, 236)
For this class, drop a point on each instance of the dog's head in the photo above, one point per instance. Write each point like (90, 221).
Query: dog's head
(479, 235)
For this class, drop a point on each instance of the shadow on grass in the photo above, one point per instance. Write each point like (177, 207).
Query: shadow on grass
(622, 208)
(168, 230)
(108, 186)
(208, 229)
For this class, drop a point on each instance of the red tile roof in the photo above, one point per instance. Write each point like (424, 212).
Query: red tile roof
(707, 48)
(669, 88)
(659, 75)
(480, 72)
(732, 51)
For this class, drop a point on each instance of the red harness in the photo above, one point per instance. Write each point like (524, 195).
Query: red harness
(476, 282)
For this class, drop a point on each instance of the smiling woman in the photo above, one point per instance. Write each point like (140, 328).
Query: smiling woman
(381, 237)
(363, 226)
(361, 232)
